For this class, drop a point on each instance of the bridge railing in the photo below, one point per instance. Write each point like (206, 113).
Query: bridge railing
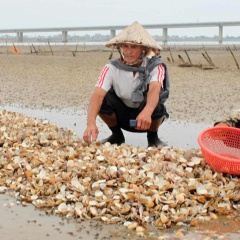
(113, 29)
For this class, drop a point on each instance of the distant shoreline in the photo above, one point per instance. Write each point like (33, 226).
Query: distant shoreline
(51, 48)
(187, 42)
(102, 44)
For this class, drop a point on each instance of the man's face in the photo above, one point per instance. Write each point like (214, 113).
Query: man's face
(131, 52)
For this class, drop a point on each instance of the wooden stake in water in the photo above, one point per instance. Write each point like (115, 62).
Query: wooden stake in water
(6, 46)
(234, 57)
(75, 52)
(180, 57)
(171, 55)
(188, 57)
(111, 54)
(207, 57)
(50, 47)
(35, 49)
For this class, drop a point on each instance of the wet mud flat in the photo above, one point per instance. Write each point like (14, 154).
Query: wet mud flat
(27, 223)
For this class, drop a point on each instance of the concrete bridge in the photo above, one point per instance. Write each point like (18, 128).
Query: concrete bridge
(113, 29)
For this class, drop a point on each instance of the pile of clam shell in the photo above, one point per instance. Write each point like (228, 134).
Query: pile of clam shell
(53, 169)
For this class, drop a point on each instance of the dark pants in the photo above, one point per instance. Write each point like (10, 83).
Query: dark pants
(113, 104)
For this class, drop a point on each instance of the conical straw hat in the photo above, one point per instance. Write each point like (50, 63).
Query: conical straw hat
(135, 34)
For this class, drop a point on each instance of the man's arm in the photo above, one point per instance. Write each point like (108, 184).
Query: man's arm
(91, 132)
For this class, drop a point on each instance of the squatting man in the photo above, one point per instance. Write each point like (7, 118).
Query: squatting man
(131, 90)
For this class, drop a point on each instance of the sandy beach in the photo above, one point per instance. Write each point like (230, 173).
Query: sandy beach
(59, 81)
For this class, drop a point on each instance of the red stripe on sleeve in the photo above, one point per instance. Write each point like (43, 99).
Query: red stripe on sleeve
(102, 76)
(161, 73)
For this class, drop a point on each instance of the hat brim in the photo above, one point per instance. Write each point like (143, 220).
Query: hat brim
(134, 34)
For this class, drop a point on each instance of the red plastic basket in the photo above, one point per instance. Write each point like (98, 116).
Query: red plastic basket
(221, 148)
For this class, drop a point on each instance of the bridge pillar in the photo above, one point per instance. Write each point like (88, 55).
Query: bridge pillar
(165, 35)
(113, 33)
(220, 35)
(19, 36)
(64, 36)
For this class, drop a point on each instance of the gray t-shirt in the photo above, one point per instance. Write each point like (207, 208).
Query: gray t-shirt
(125, 82)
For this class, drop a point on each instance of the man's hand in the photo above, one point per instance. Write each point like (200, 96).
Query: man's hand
(90, 134)
(144, 120)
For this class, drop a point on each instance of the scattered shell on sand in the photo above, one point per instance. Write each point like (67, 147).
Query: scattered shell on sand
(54, 170)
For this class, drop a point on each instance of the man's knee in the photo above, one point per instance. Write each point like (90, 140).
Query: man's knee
(111, 103)
(106, 107)
(160, 111)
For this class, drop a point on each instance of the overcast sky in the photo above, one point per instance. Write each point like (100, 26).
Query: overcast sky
(73, 13)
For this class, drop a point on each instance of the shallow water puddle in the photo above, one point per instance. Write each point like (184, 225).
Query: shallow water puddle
(178, 134)
(27, 223)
